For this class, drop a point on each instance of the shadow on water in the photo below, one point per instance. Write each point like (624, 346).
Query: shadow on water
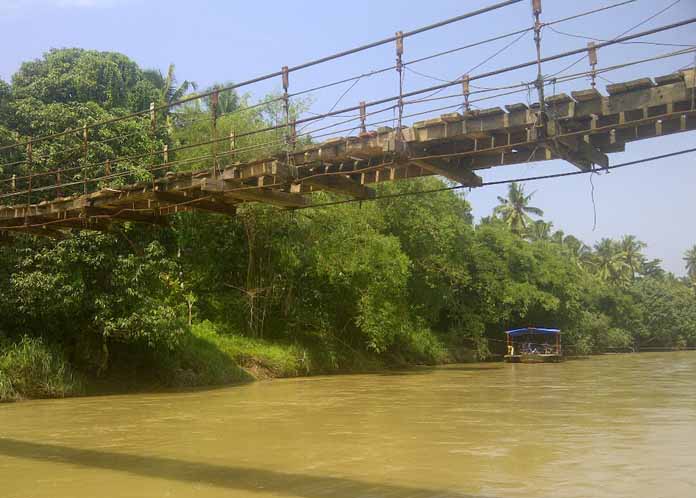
(223, 476)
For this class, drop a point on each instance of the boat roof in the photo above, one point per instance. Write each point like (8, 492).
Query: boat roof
(532, 330)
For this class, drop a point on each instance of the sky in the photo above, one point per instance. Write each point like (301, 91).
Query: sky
(228, 40)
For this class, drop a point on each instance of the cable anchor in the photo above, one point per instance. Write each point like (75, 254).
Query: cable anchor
(363, 115)
(592, 53)
(466, 92)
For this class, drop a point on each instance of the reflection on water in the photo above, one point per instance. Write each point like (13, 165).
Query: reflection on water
(609, 426)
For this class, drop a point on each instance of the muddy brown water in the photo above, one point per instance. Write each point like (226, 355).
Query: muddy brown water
(610, 426)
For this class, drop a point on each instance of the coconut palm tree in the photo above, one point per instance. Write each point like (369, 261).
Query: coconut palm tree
(609, 263)
(228, 100)
(652, 268)
(690, 259)
(169, 91)
(578, 251)
(559, 238)
(631, 254)
(539, 230)
(515, 209)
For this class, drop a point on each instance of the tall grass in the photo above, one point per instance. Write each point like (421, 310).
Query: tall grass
(262, 358)
(32, 369)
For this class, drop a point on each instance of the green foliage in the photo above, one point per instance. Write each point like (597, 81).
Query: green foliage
(77, 75)
(199, 359)
(276, 359)
(668, 310)
(30, 368)
(91, 289)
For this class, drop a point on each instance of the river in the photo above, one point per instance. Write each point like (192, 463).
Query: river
(610, 426)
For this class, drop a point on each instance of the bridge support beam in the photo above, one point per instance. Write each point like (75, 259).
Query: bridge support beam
(126, 214)
(457, 174)
(341, 184)
(189, 202)
(579, 153)
(255, 194)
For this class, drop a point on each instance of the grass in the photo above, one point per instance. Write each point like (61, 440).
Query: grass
(201, 362)
(261, 358)
(31, 368)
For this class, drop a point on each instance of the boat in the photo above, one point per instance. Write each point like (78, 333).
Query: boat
(533, 345)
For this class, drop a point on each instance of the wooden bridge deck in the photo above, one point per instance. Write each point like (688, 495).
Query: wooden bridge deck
(582, 129)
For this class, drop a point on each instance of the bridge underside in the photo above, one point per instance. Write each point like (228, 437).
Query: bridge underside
(582, 129)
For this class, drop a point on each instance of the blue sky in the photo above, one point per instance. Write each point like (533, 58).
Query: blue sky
(221, 41)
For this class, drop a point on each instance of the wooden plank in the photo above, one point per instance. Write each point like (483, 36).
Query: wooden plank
(274, 197)
(213, 204)
(579, 153)
(126, 214)
(457, 174)
(341, 184)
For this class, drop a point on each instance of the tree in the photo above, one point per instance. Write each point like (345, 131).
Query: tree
(72, 75)
(228, 100)
(171, 92)
(579, 252)
(631, 254)
(608, 261)
(540, 230)
(652, 268)
(690, 259)
(515, 209)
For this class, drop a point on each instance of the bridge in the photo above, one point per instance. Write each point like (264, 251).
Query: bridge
(582, 128)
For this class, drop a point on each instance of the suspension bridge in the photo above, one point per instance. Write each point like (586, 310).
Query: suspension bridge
(582, 128)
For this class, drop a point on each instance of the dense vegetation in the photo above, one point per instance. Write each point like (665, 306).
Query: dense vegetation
(403, 280)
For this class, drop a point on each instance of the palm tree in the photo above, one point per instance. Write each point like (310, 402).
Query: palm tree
(608, 262)
(578, 251)
(652, 268)
(690, 259)
(539, 230)
(228, 100)
(169, 91)
(559, 238)
(514, 209)
(631, 254)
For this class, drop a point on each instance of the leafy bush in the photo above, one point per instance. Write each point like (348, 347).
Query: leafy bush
(198, 360)
(422, 346)
(31, 369)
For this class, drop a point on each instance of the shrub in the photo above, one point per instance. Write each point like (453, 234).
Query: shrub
(279, 359)
(31, 369)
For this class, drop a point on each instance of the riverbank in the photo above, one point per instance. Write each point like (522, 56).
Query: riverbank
(204, 357)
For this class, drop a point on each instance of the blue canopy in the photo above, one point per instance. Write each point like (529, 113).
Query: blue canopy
(532, 330)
